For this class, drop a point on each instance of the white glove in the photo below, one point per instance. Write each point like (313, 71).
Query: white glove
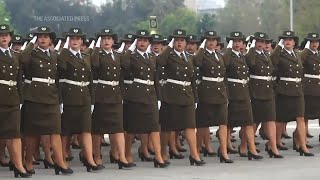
(203, 44)
(92, 108)
(133, 45)
(92, 44)
(230, 44)
(149, 49)
(24, 46)
(281, 43)
(33, 40)
(66, 45)
(171, 43)
(58, 45)
(120, 50)
(253, 44)
(98, 44)
(159, 105)
(307, 46)
(248, 38)
(196, 105)
(61, 108)
(20, 106)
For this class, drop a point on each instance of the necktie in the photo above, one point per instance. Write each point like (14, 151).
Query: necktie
(7, 53)
(292, 54)
(145, 55)
(112, 56)
(78, 55)
(216, 56)
(183, 57)
(47, 53)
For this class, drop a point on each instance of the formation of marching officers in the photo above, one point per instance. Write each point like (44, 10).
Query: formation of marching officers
(152, 91)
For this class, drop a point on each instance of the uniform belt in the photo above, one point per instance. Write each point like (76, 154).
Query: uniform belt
(128, 81)
(27, 81)
(44, 80)
(241, 81)
(110, 83)
(217, 79)
(9, 83)
(95, 81)
(290, 79)
(312, 76)
(147, 82)
(162, 81)
(76, 83)
(266, 78)
(183, 83)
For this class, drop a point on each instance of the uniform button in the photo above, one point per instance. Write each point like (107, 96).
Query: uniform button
(218, 66)
(268, 86)
(148, 69)
(137, 86)
(286, 83)
(103, 86)
(113, 88)
(186, 68)
(243, 66)
(114, 68)
(257, 84)
(108, 68)
(148, 76)
(147, 89)
(183, 89)
(177, 73)
(82, 69)
(114, 75)
(290, 65)
(49, 70)
(219, 89)
(163, 73)
(10, 67)
(297, 72)
(268, 67)
(41, 65)
(81, 90)
(244, 73)
(297, 65)
(9, 89)
(185, 75)
(177, 67)
(219, 74)
(11, 74)
(234, 84)
(297, 86)
(48, 63)
(309, 81)
(75, 69)
(212, 67)
(141, 67)
(82, 76)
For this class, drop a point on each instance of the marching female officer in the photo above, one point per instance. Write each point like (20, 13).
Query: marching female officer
(261, 90)
(107, 117)
(77, 94)
(141, 96)
(212, 109)
(290, 104)
(179, 97)
(10, 79)
(41, 111)
(239, 107)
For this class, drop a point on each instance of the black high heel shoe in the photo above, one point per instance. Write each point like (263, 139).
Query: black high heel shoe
(81, 158)
(224, 160)
(207, 153)
(58, 169)
(302, 153)
(47, 164)
(241, 154)
(195, 162)
(273, 155)
(309, 135)
(232, 151)
(253, 156)
(11, 166)
(151, 152)
(182, 149)
(145, 158)
(69, 158)
(158, 164)
(122, 165)
(112, 159)
(282, 148)
(17, 173)
(94, 168)
(31, 171)
(286, 136)
(175, 156)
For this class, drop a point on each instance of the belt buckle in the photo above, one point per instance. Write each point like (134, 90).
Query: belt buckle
(11, 83)
(148, 82)
(161, 81)
(113, 83)
(269, 78)
(50, 81)
(297, 80)
(82, 83)
(184, 83)
(220, 79)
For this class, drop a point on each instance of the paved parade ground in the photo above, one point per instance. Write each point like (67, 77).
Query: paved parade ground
(292, 167)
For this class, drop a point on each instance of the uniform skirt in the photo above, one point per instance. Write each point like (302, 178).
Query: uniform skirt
(288, 108)
(9, 122)
(41, 119)
(263, 110)
(211, 115)
(312, 104)
(141, 118)
(175, 117)
(76, 119)
(240, 113)
(107, 119)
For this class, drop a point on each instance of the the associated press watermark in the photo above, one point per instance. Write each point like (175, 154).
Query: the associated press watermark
(62, 18)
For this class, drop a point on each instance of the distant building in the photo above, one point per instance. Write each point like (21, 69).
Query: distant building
(204, 6)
